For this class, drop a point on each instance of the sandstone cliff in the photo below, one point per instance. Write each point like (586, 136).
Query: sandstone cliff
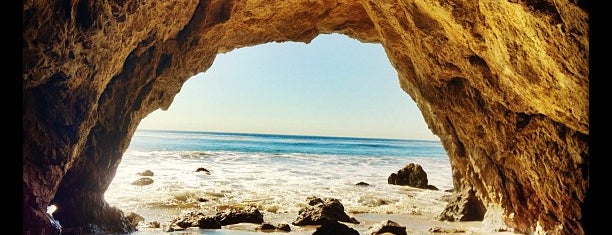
(504, 84)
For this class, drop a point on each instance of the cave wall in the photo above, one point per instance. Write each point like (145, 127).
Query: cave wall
(504, 84)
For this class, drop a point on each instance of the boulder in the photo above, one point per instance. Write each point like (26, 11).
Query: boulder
(146, 173)
(445, 230)
(153, 224)
(335, 228)
(201, 199)
(202, 169)
(320, 211)
(411, 175)
(208, 223)
(134, 218)
(387, 227)
(195, 219)
(267, 227)
(232, 216)
(143, 181)
(283, 227)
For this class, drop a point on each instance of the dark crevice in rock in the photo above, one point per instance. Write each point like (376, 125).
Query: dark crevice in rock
(164, 63)
(522, 119)
(206, 14)
(65, 7)
(466, 207)
(84, 16)
(477, 61)
(196, 18)
(584, 5)
(546, 7)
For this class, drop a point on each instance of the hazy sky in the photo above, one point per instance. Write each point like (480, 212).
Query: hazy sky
(334, 86)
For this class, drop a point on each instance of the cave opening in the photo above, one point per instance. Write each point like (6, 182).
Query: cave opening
(299, 111)
(504, 88)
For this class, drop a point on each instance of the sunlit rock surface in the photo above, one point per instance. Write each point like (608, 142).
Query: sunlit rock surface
(504, 84)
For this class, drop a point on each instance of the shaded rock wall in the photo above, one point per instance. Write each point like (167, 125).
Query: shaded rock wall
(504, 84)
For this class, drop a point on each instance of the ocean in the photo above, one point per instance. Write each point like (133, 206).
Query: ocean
(276, 173)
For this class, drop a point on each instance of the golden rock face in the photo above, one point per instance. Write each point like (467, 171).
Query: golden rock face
(504, 84)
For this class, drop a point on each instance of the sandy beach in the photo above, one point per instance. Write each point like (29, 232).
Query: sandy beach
(415, 224)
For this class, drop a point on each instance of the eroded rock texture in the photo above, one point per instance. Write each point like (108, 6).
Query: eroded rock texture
(504, 84)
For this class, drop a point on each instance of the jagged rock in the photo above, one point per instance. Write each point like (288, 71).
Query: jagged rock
(321, 211)
(173, 229)
(269, 227)
(465, 207)
(232, 216)
(202, 169)
(387, 227)
(134, 218)
(442, 230)
(201, 199)
(195, 219)
(266, 226)
(227, 217)
(146, 173)
(312, 200)
(209, 223)
(153, 224)
(412, 175)
(187, 220)
(283, 227)
(143, 181)
(335, 228)
(495, 80)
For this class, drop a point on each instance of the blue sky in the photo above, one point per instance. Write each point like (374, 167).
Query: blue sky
(334, 86)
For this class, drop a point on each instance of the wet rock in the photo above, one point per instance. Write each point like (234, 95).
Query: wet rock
(266, 226)
(464, 206)
(153, 224)
(431, 187)
(173, 229)
(362, 184)
(321, 211)
(209, 223)
(196, 219)
(335, 228)
(387, 227)
(283, 227)
(449, 190)
(202, 169)
(134, 218)
(187, 220)
(143, 181)
(146, 173)
(312, 200)
(201, 199)
(411, 175)
(232, 216)
(444, 230)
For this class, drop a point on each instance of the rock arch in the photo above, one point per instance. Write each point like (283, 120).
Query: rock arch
(504, 84)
